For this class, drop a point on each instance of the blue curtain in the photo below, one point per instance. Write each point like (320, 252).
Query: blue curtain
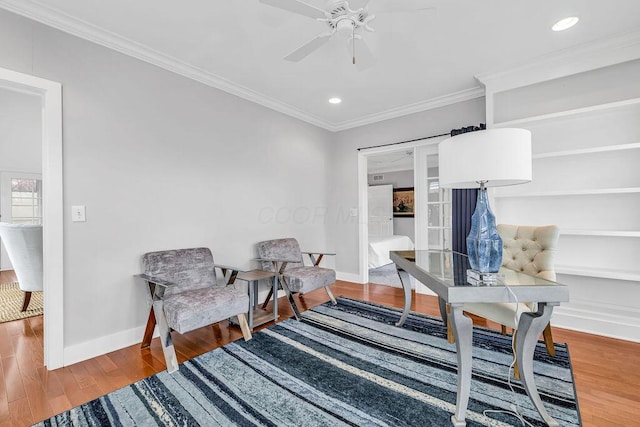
(463, 204)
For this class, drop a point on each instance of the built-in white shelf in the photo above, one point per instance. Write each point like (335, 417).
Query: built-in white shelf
(569, 113)
(601, 149)
(604, 233)
(585, 192)
(633, 276)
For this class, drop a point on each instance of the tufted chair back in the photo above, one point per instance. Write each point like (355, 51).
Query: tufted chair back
(529, 249)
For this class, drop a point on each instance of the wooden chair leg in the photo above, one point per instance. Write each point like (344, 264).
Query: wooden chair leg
(503, 329)
(27, 298)
(548, 340)
(148, 330)
(450, 337)
(244, 326)
(516, 371)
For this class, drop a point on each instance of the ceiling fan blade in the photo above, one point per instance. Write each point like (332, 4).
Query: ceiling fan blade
(297, 6)
(364, 59)
(309, 47)
(404, 6)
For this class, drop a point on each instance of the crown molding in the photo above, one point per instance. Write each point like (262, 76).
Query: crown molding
(84, 30)
(441, 101)
(572, 60)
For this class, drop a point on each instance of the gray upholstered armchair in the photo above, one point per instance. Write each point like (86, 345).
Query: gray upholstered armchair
(186, 294)
(24, 247)
(285, 257)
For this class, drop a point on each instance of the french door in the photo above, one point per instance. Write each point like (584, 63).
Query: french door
(433, 212)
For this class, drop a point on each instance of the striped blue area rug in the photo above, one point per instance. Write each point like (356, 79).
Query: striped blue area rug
(344, 365)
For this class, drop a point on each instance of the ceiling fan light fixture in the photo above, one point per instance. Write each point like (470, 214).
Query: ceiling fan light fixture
(565, 24)
(335, 100)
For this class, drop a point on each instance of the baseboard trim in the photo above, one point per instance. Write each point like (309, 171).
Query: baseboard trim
(103, 345)
(617, 327)
(349, 277)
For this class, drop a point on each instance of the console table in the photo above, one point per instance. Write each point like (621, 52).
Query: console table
(444, 272)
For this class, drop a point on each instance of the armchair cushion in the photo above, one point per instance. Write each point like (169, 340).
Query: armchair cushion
(186, 311)
(306, 279)
(502, 313)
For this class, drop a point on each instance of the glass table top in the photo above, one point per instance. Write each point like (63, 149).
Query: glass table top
(445, 273)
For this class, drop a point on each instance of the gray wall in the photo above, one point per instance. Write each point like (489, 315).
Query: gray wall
(399, 179)
(162, 162)
(20, 132)
(343, 179)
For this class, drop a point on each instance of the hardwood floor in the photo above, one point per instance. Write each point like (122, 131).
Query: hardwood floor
(606, 376)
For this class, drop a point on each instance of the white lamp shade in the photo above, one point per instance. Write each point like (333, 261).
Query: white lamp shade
(495, 156)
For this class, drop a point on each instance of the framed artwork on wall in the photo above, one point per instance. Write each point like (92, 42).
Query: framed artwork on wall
(403, 202)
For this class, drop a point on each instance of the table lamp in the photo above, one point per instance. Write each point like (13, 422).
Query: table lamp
(481, 159)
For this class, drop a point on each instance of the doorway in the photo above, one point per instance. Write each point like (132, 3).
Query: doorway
(390, 212)
(49, 94)
(431, 223)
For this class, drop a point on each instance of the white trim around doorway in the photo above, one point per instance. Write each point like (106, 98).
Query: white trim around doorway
(51, 95)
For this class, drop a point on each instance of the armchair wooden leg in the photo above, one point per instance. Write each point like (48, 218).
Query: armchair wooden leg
(148, 330)
(503, 329)
(516, 371)
(451, 339)
(548, 340)
(244, 326)
(331, 297)
(27, 298)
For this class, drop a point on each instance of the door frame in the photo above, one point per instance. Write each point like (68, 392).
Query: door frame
(50, 93)
(363, 203)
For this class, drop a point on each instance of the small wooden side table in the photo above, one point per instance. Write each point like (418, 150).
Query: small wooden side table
(259, 316)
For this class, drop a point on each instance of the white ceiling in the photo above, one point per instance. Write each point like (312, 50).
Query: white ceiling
(401, 160)
(423, 59)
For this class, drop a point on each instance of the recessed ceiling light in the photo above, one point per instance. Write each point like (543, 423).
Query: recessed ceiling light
(335, 100)
(565, 24)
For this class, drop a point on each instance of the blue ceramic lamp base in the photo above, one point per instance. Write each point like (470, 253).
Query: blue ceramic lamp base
(484, 245)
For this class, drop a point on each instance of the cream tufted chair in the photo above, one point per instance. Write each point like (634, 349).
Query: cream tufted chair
(530, 250)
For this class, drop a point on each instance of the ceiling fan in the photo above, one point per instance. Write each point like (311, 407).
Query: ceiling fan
(346, 18)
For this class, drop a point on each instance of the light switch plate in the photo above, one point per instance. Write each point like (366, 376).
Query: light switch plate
(78, 214)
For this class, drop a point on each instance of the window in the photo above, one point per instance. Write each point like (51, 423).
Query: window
(26, 201)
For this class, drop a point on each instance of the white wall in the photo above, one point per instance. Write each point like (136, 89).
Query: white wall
(399, 179)
(20, 132)
(343, 177)
(20, 142)
(161, 162)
